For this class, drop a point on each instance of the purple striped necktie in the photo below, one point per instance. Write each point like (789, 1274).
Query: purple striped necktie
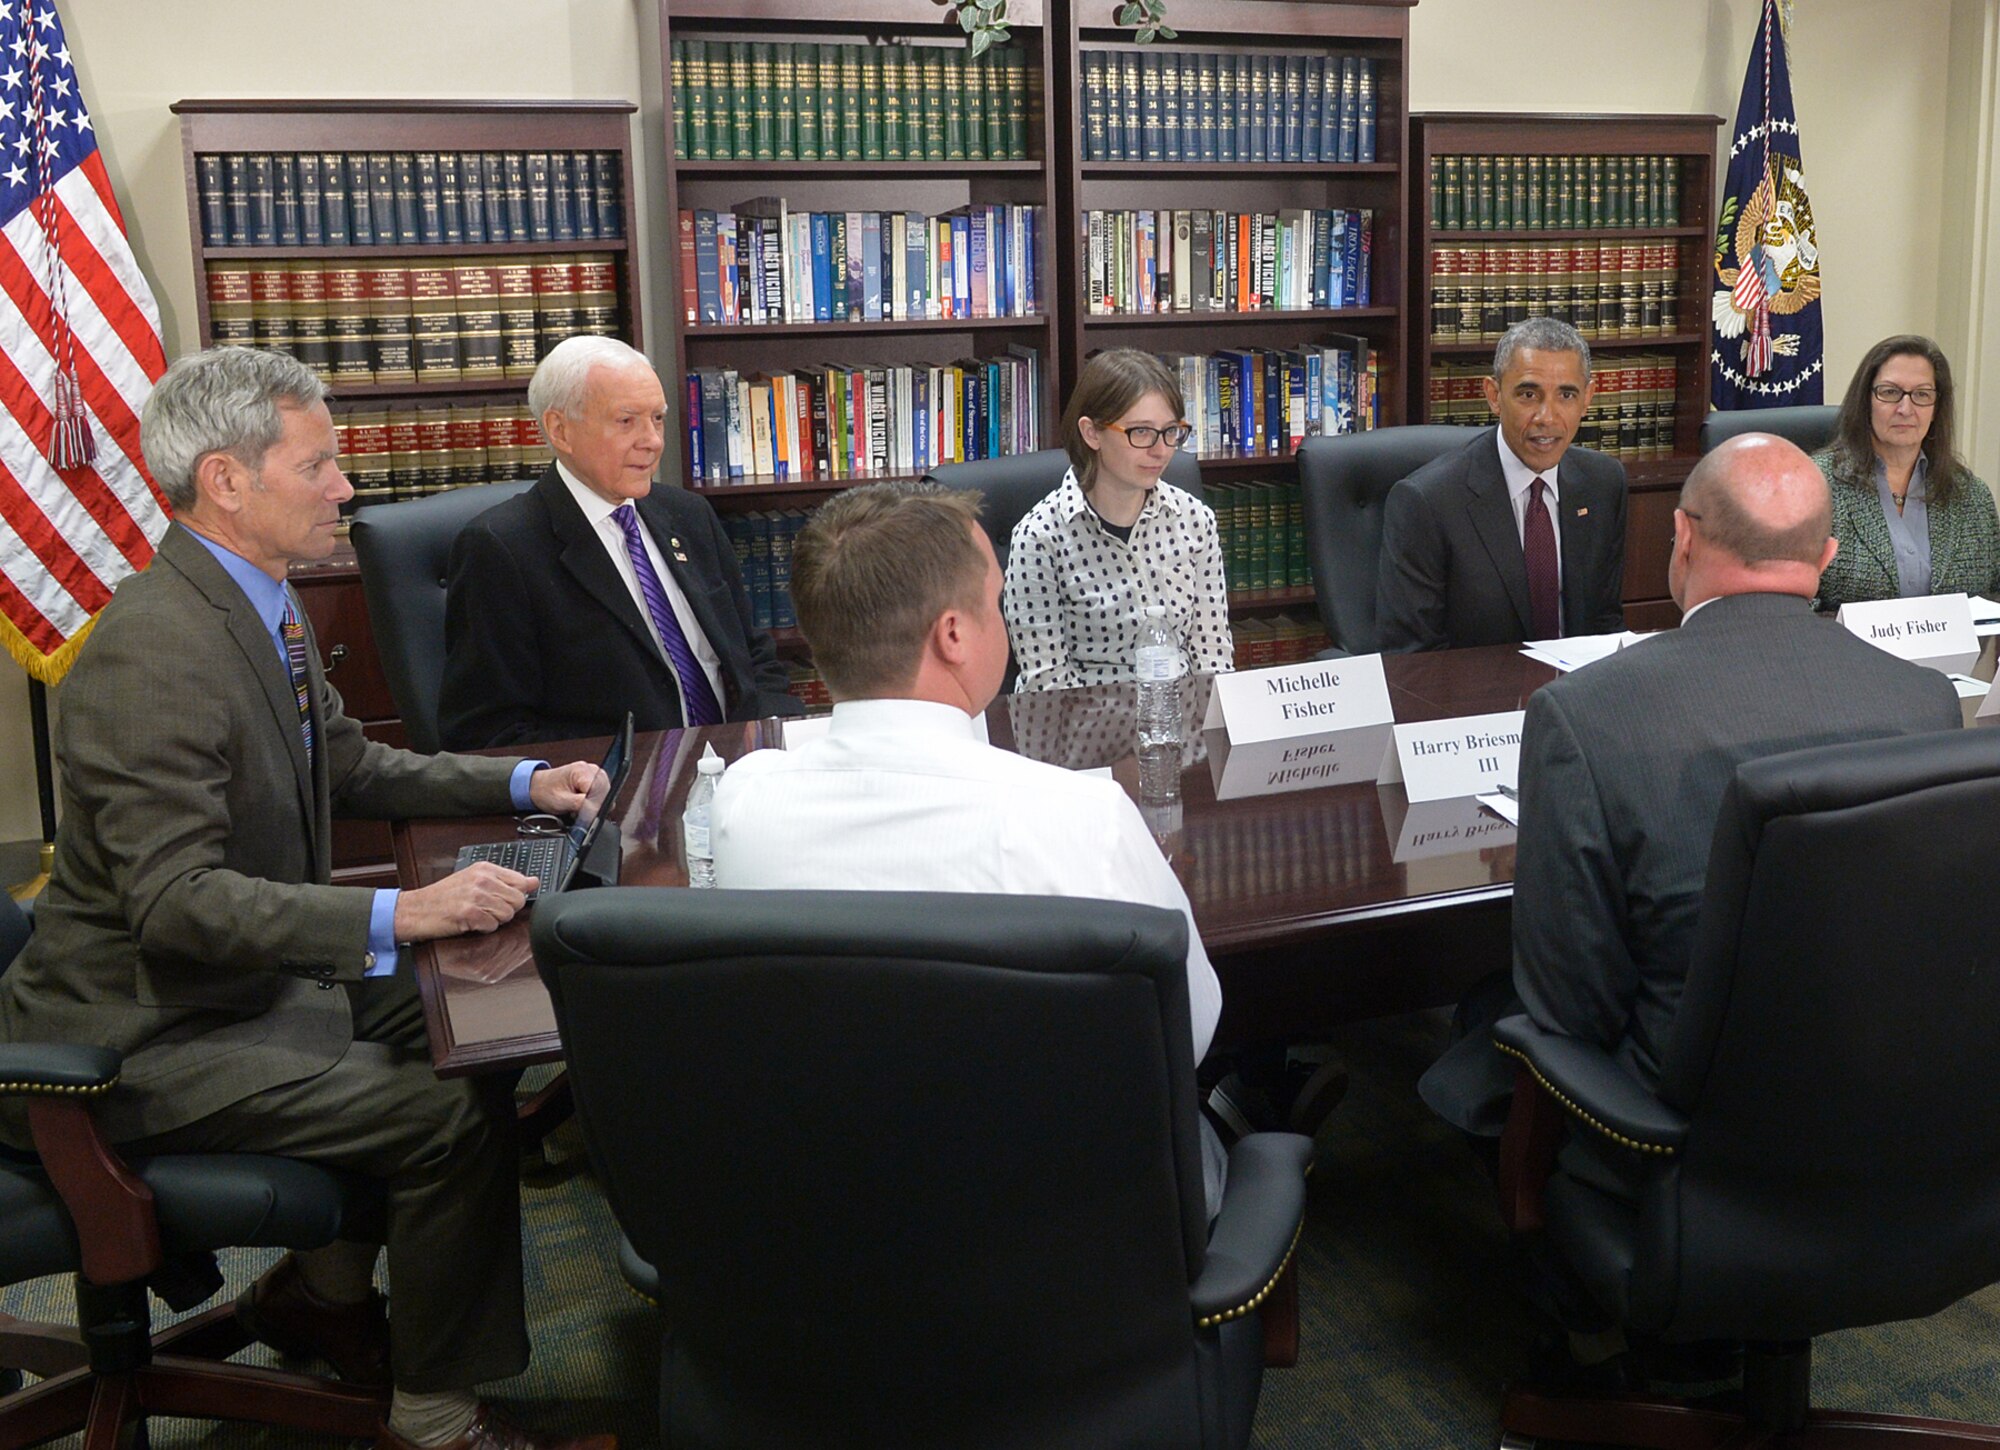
(294, 634)
(1538, 548)
(698, 700)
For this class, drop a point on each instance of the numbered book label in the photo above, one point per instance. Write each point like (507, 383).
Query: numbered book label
(1439, 759)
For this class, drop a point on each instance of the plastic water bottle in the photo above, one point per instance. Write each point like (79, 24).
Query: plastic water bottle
(694, 820)
(1160, 670)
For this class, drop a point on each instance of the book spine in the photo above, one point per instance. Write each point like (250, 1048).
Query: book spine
(425, 195)
(890, 60)
(312, 199)
(562, 198)
(806, 101)
(209, 181)
(973, 77)
(451, 200)
(285, 199)
(1295, 105)
(785, 100)
(871, 267)
(1312, 126)
(1131, 105)
(995, 75)
(403, 191)
(708, 264)
(541, 212)
(263, 204)
(1364, 113)
(933, 68)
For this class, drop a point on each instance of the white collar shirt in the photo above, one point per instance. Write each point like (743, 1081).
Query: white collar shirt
(598, 511)
(1520, 479)
(1076, 593)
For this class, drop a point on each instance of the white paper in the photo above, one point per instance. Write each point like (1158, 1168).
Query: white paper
(1968, 688)
(1504, 806)
(1985, 615)
(801, 728)
(1289, 702)
(1580, 650)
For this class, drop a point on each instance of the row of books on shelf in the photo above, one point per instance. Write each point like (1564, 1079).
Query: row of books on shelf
(1282, 639)
(834, 422)
(1608, 291)
(765, 263)
(1263, 528)
(1162, 105)
(737, 100)
(1630, 416)
(409, 198)
(1521, 193)
(806, 686)
(1265, 400)
(1217, 261)
(762, 540)
(392, 454)
(449, 321)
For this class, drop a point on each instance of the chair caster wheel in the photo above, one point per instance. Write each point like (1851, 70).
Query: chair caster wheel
(1511, 1441)
(10, 1381)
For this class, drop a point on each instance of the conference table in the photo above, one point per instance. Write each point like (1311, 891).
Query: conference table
(1319, 903)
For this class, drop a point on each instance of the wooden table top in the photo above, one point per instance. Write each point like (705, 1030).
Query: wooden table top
(1287, 857)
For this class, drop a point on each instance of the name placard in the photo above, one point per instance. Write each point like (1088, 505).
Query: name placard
(1934, 629)
(1439, 759)
(1318, 697)
(1307, 762)
(1425, 830)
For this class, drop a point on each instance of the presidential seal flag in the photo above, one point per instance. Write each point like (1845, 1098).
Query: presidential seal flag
(1769, 348)
(79, 351)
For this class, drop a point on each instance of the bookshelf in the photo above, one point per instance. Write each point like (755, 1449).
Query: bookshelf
(1605, 221)
(453, 244)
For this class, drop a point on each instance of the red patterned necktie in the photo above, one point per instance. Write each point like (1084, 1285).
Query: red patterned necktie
(294, 633)
(1538, 546)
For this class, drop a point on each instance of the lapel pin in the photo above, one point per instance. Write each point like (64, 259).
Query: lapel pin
(1583, 513)
(675, 545)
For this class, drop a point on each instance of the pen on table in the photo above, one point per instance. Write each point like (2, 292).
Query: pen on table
(1509, 792)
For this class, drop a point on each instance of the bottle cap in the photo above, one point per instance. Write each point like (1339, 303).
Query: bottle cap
(1156, 611)
(710, 763)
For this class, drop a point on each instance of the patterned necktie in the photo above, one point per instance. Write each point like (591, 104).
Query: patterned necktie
(1538, 546)
(294, 633)
(698, 700)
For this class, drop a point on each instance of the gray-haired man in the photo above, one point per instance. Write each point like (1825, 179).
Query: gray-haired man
(189, 923)
(1516, 535)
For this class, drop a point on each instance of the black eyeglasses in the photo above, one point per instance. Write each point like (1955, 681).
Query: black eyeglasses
(1145, 435)
(1890, 394)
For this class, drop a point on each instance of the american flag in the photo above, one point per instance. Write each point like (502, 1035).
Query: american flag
(79, 351)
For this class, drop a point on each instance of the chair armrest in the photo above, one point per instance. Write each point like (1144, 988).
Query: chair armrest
(1333, 652)
(1593, 1088)
(1263, 1208)
(56, 1067)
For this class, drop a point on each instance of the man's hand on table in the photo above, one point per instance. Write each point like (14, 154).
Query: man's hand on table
(480, 898)
(560, 789)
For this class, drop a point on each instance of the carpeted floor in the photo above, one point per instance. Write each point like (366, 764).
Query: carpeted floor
(1410, 1325)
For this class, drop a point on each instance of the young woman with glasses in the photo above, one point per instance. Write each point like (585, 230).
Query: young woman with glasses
(1116, 537)
(1910, 517)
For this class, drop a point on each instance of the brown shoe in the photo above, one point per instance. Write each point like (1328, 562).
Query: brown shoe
(491, 1430)
(278, 1310)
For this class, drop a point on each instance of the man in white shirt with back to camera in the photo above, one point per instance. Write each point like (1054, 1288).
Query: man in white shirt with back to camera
(898, 592)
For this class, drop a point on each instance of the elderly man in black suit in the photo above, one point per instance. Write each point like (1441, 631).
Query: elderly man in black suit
(1517, 535)
(1624, 763)
(595, 592)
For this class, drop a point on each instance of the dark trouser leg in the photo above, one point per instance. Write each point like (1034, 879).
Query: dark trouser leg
(445, 1147)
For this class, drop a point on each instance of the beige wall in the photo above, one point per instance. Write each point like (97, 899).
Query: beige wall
(1871, 83)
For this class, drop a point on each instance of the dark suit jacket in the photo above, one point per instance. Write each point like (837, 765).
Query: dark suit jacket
(543, 641)
(188, 922)
(1452, 574)
(1623, 766)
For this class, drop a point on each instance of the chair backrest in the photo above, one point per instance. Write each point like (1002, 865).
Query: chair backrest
(1344, 479)
(1833, 1048)
(1810, 427)
(913, 1168)
(1013, 485)
(404, 550)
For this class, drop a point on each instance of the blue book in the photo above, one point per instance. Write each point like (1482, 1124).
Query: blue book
(1258, 97)
(285, 198)
(360, 201)
(539, 185)
(263, 201)
(472, 196)
(1169, 83)
(1294, 107)
(757, 575)
(1274, 111)
(515, 166)
(1315, 385)
(871, 266)
(697, 461)
(1205, 84)
(403, 181)
(494, 180)
(312, 230)
(610, 199)
(785, 530)
(1313, 119)
(451, 199)
(1243, 109)
(214, 201)
(1322, 256)
(1329, 107)
(333, 200)
(1350, 93)
(1005, 219)
(428, 192)
(1364, 223)
(1242, 364)
(1350, 286)
(584, 193)
(914, 258)
(822, 265)
(714, 427)
(707, 266)
(562, 198)
(1364, 111)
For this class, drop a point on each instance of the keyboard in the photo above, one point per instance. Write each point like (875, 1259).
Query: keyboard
(539, 856)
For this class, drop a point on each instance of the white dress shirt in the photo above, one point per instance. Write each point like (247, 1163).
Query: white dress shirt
(1520, 480)
(900, 795)
(597, 510)
(1076, 593)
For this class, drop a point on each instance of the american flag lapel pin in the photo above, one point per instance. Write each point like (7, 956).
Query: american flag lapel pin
(1583, 513)
(675, 545)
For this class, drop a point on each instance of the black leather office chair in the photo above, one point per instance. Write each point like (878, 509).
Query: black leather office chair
(1820, 1152)
(1810, 427)
(404, 550)
(918, 1169)
(1013, 485)
(74, 1206)
(1344, 479)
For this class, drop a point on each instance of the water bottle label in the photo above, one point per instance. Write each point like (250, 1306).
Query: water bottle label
(1155, 665)
(695, 836)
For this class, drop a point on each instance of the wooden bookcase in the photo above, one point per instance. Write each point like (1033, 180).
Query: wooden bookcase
(1684, 222)
(331, 589)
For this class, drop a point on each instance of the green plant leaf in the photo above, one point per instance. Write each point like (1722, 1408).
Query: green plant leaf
(1129, 13)
(1167, 32)
(982, 41)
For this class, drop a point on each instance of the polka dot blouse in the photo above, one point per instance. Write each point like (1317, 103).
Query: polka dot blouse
(1076, 594)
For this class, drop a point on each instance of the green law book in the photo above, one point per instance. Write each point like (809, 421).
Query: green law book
(1014, 66)
(913, 106)
(742, 95)
(975, 109)
(1670, 192)
(1535, 187)
(785, 100)
(1298, 570)
(954, 106)
(832, 88)
(1626, 211)
(805, 96)
(890, 58)
(932, 65)
(851, 80)
(1517, 193)
(994, 64)
(692, 122)
(1453, 189)
(763, 144)
(871, 103)
(1259, 560)
(1566, 189)
(1437, 193)
(1484, 221)
(680, 69)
